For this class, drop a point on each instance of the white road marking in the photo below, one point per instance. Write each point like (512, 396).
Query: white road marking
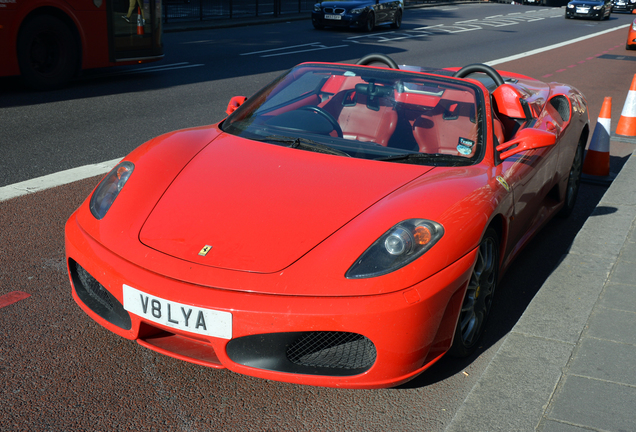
(292, 49)
(314, 48)
(551, 47)
(160, 68)
(57, 179)
(75, 174)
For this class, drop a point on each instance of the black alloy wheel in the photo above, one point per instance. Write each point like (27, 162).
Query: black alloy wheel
(574, 182)
(397, 22)
(478, 298)
(369, 25)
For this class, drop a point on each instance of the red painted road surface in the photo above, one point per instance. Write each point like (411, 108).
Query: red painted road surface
(12, 297)
(61, 371)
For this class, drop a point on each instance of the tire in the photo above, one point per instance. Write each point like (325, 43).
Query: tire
(574, 182)
(397, 22)
(478, 298)
(48, 53)
(369, 25)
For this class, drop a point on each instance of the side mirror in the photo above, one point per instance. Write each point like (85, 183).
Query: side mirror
(509, 103)
(526, 139)
(235, 102)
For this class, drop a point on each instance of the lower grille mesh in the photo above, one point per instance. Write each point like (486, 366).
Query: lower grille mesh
(94, 288)
(332, 350)
(96, 297)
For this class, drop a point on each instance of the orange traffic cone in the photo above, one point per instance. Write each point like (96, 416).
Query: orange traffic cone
(627, 122)
(596, 168)
(140, 22)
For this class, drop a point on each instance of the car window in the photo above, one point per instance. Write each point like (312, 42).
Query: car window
(371, 113)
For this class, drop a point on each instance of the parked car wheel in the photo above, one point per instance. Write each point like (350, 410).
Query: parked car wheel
(478, 298)
(370, 24)
(574, 181)
(397, 23)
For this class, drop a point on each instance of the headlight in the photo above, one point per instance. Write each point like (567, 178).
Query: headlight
(356, 11)
(397, 247)
(317, 7)
(109, 188)
(570, 6)
(597, 7)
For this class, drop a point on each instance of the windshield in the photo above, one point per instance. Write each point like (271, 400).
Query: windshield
(369, 113)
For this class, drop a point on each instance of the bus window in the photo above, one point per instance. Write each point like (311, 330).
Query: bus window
(135, 29)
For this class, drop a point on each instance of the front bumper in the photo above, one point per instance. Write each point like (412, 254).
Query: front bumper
(577, 13)
(388, 338)
(346, 20)
(623, 7)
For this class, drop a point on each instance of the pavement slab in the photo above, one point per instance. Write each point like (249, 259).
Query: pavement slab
(526, 369)
(612, 404)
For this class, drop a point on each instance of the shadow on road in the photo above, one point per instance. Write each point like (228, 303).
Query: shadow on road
(524, 279)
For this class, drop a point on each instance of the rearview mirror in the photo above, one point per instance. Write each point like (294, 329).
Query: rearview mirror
(235, 102)
(526, 139)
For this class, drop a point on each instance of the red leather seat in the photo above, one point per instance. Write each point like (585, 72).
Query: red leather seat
(441, 130)
(369, 122)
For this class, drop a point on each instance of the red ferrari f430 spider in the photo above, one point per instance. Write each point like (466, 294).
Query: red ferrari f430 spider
(345, 226)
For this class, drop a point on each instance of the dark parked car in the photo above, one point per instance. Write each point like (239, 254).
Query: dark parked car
(364, 14)
(597, 9)
(623, 5)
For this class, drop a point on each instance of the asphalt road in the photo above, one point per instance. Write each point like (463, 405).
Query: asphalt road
(109, 112)
(61, 371)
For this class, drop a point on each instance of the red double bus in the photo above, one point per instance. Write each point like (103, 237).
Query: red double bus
(48, 42)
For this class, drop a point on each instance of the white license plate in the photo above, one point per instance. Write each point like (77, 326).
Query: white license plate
(333, 17)
(582, 11)
(179, 316)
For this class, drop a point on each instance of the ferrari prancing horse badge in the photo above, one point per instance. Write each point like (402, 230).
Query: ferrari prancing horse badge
(205, 250)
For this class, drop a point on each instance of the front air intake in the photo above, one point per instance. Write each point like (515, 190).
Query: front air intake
(332, 350)
(97, 298)
(326, 353)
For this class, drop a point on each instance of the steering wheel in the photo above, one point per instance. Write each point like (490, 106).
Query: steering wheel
(478, 67)
(379, 58)
(325, 114)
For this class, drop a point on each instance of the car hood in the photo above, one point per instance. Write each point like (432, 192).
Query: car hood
(346, 4)
(259, 207)
(586, 3)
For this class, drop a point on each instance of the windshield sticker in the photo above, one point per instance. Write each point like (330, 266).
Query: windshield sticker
(349, 74)
(465, 146)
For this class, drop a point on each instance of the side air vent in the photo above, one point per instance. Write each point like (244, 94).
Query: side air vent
(562, 105)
